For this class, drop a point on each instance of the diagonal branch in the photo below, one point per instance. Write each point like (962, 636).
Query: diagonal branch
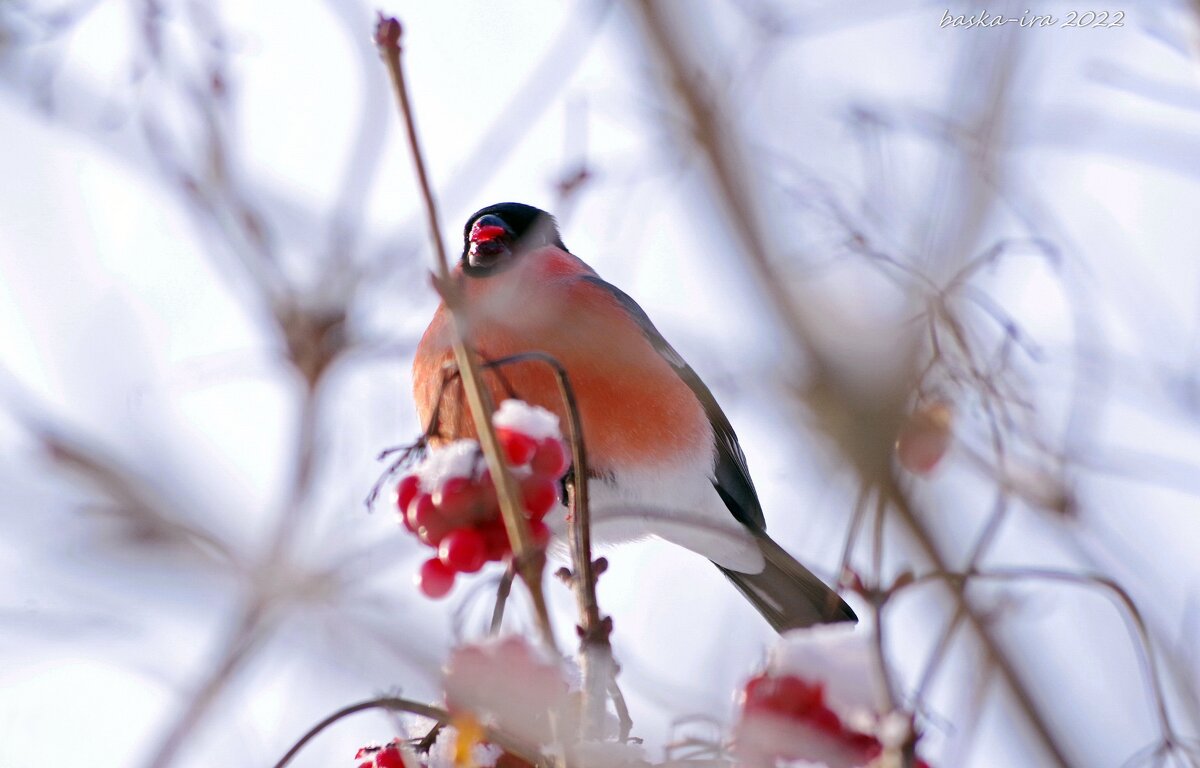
(530, 560)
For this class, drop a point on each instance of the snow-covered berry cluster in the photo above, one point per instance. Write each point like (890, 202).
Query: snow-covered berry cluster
(441, 754)
(375, 756)
(816, 703)
(509, 683)
(449, 501)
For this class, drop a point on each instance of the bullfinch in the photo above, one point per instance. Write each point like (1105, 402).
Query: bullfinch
(664, 460)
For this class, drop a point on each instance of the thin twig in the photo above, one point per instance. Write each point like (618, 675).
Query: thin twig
(501, 599)
(988, 640)
(243, 640)
(595, 649)
(529, 558)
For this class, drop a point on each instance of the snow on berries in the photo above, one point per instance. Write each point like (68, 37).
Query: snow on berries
(819, 702)
(443, 753)
(448, 501)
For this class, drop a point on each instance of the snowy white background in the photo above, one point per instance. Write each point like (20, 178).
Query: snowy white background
(124, 326)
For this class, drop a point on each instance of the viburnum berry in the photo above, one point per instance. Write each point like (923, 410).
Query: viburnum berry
(450, 502)
(420, 511)
(550, 460)
(463, 550)
(539, 495)
(488, 502)
(435, 578)
(495, 539)
(374, 756)
(406, 491)
(519, 448)
(803, 702)
(367, 756)
(423, 516)
(456, 499)
(389, 757)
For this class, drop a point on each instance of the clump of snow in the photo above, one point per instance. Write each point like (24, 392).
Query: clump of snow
(461, 458)
(507, 682)
(531, 420)
(894, 729)
(843, 658)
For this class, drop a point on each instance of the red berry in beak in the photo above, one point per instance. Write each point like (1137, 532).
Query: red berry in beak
(486, 233)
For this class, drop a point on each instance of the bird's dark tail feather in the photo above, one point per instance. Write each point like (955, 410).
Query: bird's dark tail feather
(787, 594)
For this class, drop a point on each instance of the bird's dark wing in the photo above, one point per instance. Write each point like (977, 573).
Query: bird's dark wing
(732, 478)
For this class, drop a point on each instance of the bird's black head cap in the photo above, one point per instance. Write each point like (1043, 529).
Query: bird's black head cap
(495, 236)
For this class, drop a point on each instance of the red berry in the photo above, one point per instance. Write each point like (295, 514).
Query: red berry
(456, 499)
(406, 491)
(550, 459)
(423, 517)
(389, 757)
(434, 578)
(463, 550)
(489, 507)
(539, 494)
(420, 510)
(407, 519)
(519, 448)
(495, 539)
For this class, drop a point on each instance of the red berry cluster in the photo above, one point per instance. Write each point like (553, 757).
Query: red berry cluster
(461, 516)
(799, 701)
(387, 756)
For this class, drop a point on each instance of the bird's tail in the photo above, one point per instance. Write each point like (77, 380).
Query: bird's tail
(787, 594)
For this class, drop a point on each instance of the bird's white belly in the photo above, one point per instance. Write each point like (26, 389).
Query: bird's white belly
(677, 503)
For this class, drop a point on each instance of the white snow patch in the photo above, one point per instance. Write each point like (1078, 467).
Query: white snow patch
(894, 729)
(843, 658)
(531, 420)
(461, 458)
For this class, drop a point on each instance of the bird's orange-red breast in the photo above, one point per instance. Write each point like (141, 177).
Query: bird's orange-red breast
(633, 407)
(663, 457)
